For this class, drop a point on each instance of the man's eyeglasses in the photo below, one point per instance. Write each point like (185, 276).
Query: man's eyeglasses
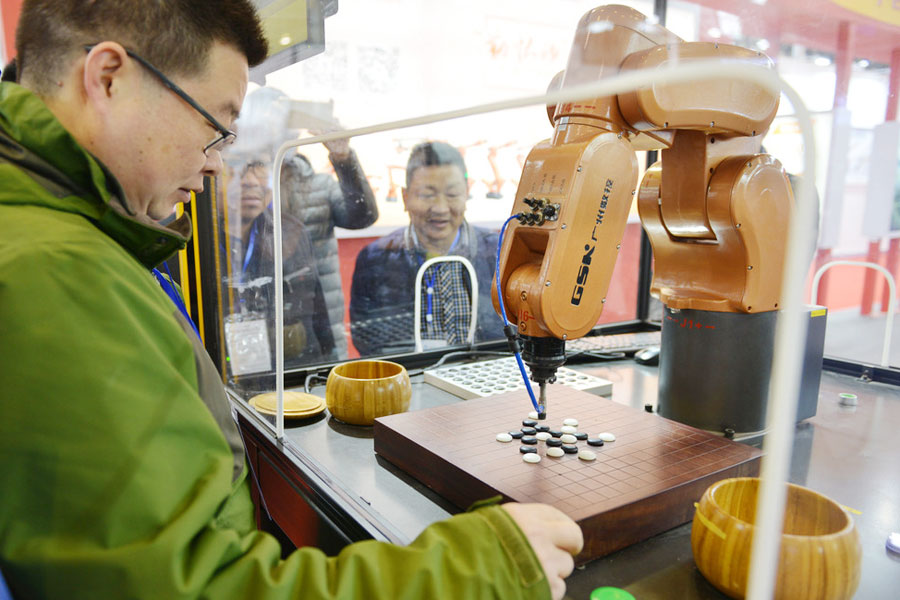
(225, 136)
(256, 166)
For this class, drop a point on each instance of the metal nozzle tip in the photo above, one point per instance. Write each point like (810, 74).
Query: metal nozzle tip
(542, 402)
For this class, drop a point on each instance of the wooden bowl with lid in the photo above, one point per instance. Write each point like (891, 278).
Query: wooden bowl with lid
(820, 550)
(360, 391)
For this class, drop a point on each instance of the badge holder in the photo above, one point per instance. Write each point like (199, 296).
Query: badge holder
(247, 342)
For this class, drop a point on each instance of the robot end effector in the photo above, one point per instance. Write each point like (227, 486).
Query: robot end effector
(717, 208)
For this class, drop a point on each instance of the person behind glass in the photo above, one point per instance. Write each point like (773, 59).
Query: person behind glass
(322, 203)
(318, 200)
(307, 331)
(382, 294)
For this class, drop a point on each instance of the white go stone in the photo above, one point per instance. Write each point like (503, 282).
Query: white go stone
(555, 452)
(571, 422)
(568, 438)
(531, 457)
(543, 436)
(586, 455)
(504, 437)
(533, 415)
(607, 436)
(568, 429)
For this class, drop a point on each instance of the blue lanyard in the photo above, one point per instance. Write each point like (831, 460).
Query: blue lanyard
(249, 253)
(429, 294)
(173, 295)
(430, 283)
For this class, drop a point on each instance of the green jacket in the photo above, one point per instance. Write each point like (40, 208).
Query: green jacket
(120, 471)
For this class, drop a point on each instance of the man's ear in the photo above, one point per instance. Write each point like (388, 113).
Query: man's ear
(106, 71)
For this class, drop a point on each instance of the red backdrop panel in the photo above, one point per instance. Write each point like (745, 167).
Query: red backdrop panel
(9, 13)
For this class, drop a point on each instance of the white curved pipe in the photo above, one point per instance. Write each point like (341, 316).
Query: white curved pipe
(279, 299)
(785, 381)
(892, 290)
(784, 386)
(417, 306)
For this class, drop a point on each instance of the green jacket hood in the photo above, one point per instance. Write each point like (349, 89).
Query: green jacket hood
(35, 149)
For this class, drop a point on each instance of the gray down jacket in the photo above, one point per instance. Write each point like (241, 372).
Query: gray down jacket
(321, 204)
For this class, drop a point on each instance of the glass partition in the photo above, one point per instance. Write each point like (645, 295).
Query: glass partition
(345, 202)
(359, 222)
(351, 293)
(840, 61)
(481, 54)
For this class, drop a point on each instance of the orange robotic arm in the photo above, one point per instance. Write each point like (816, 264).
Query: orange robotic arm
(704, 209)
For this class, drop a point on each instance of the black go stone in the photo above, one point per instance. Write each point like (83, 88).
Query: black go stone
(527, 449)
(555, 433)
(580, 436)
(516, 434)
(544, 428)
(529, 430)
(530, 440)
(553, 442)
(570, 448)
(595, 442)
(529, 423)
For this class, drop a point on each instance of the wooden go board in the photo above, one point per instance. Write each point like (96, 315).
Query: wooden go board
(642, 484)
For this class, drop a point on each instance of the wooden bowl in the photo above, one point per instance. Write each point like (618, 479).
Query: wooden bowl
(360, 391)
(820, 551)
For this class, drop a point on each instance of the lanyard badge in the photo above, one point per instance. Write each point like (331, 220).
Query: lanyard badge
(169, 289)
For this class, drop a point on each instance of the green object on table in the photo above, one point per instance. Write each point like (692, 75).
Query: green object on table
(610, 593)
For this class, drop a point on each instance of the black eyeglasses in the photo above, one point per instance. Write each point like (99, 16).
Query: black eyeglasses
(255, 166)
(225, 137)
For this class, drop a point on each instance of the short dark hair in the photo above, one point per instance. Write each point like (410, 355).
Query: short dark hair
(173, 35)
(434, 154)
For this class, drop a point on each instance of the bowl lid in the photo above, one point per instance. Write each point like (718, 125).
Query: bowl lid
(296, 404)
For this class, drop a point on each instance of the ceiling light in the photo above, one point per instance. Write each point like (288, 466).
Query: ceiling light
(714, 32)
(863, 63)
(822, 61)
(763, 44)
(285, 40)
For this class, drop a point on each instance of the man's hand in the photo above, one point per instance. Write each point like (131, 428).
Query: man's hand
(555, 538)
(339, 149)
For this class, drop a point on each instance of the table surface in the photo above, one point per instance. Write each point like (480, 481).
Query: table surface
(849, 454)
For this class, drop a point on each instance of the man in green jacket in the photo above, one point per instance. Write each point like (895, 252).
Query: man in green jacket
(121, 471)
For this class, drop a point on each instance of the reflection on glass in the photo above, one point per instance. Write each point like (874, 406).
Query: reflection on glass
(383, 291)
(318, 199)
(250, 327)
(314, 202)
(322, 203)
